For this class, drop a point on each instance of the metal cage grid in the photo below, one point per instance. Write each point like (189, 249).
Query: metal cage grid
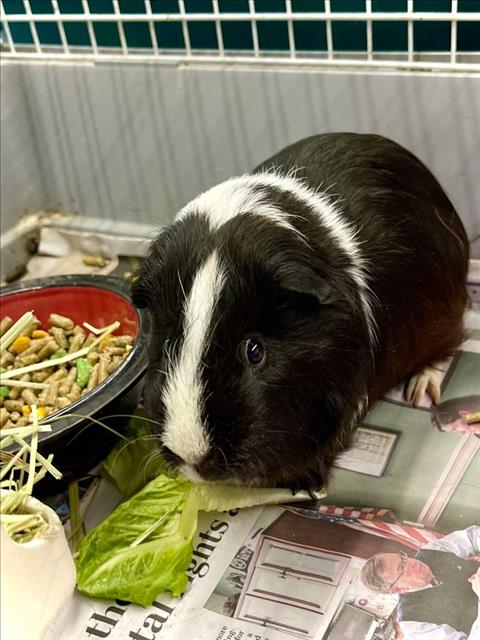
(330, 55)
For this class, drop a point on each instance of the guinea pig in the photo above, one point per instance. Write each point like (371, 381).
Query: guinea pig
(286, 301)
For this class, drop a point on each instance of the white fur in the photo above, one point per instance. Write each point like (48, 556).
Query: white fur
(246, 194)
(185, 434)
(237, 197)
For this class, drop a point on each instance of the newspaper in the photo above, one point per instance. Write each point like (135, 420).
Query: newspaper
(402, 563)
(288, 572)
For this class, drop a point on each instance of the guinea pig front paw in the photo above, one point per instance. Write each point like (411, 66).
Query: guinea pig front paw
(427, 380)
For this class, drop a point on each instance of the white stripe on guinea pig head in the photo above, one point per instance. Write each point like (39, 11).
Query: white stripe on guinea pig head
(185, 433)
(236, 197)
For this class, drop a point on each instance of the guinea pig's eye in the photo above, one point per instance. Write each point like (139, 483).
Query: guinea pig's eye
(254, 352)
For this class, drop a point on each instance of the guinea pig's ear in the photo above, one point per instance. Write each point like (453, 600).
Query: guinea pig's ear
(307, 282)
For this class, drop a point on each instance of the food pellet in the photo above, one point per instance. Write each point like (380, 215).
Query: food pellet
(4, 392)
(48, 349)
(93, 357)
(14, 415)
(63, 322)
(22, 421)
(94, 261)
(62, 403)
(41, 376)
(75, 392)
(32, 326)
(7, 359)
(115, 351)
(26, 410)
(93, 380)
(5, 325)
(78, 330)
(29, 397)
(13, 405)
(24, 361)
(90, 338)
(77, 342)
(66, 385)
(14, 393)
(102, 368)
(120, 341)
(36, 345)
(3, 416)
(52, 393)
(115, 362)
(60, 337)
(59, 374)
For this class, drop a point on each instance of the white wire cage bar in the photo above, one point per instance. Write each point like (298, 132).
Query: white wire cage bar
(410, 57)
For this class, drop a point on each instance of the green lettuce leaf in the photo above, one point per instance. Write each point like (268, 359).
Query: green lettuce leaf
(131, 465)
(222, 497)
(109, 566)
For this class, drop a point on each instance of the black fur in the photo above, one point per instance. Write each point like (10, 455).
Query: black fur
(284, 423)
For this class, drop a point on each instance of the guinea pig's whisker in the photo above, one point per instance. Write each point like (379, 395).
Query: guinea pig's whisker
(216, 324)
(223, 455)
(148, 460)
(135, 416)
(129, 442)
(181, 285)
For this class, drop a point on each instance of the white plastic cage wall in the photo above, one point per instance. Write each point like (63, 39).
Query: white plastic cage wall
(400, 34)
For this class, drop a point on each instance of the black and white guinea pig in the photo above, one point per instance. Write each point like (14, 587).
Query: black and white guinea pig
(286, 301)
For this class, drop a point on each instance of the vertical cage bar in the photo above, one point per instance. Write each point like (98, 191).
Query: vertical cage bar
(368, 7)
(328, 27)
(291, 33)
(61, 28)
(186, 35)
(33, 28)
(91, 30)
(6, 26)
(218, 29)
(410, 29)
(453, 33)
(121, 30)
(253, 23)
(151, 27)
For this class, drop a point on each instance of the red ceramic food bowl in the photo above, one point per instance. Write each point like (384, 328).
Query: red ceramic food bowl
(100, 301)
